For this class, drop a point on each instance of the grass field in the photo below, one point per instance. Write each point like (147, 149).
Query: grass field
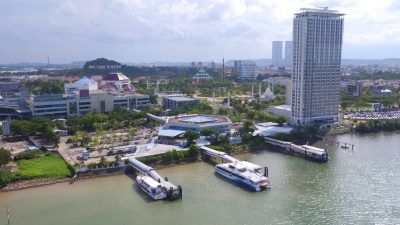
(48, 166)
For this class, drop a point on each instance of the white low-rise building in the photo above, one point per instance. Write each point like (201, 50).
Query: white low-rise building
(81, 84)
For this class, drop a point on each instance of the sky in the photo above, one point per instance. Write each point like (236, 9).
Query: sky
(181, 30)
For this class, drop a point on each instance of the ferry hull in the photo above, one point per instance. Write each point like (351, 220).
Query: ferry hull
(238, 181)
(147, 192)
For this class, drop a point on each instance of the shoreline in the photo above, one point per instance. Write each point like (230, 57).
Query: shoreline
(36, 183)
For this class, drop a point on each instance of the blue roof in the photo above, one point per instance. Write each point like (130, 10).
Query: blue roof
(84, 80)
(170, 133)
(199, 119)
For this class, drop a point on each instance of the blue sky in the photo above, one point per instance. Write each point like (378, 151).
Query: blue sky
(181, 30)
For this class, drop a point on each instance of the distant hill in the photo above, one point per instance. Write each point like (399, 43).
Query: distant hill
(390, 61)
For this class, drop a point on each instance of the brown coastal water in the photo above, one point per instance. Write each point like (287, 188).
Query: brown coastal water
(354, 187)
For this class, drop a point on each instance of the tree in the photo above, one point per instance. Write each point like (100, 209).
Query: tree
(191, 137)
(103, 161)
(52, 137)
(207, 131)
(5, 177)
(281, 120)
(5, 156)
(194, 151)
(132, 131)
(246, 128)
(389, 100)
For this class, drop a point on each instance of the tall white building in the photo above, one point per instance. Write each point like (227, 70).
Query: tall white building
(288, 53)
(277, 47)
(317, 45)
(246, 69)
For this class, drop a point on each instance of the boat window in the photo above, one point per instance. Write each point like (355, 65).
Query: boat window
(242, 170)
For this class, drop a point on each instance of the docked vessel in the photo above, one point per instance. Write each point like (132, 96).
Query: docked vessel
(151, 187)
(243, 175)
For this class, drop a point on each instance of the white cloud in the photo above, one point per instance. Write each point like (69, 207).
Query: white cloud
(206, 28)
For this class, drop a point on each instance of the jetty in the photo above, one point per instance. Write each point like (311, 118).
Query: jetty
(306, 151)
(173, 192)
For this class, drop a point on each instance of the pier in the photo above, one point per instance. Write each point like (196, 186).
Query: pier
(341, 144)
(173, 191)
(217, 154)
(306, 151)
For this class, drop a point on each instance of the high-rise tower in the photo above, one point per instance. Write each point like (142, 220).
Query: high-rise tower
(317, 48)
(277, 47)
(288, 53)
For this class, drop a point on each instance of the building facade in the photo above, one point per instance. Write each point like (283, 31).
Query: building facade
(118, 81)
(81, 84)
(246, 69)
(198, 123)
(174, 102)
(63, 105)
(277, 48)
(317, 48)
(12, 93)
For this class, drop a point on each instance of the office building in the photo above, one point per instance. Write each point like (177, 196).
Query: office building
(288, 54)
(354, 88)
(317, 45)
(12, 93)
(174, 102)
(277, 47)
(63, 105)
(246, 69)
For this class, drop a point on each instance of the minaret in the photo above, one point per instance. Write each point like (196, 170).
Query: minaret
(213, 100)
(147, 84)
(157, 86)
(252, 92)
(229, 100)
(259, 89)
(223, 70)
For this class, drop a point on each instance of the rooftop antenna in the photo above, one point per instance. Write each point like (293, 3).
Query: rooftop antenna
(223, 70)
(229, 99)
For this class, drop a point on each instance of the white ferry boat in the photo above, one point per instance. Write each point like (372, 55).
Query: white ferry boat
(151, 187)
(244, 176)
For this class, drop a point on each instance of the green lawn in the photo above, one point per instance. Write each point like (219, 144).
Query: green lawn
(48, 166)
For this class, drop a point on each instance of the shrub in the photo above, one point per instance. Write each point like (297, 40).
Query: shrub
(5, 156)
(29, 155)
(5, 177)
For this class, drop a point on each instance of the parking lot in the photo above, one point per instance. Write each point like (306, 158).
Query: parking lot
(373, 115)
